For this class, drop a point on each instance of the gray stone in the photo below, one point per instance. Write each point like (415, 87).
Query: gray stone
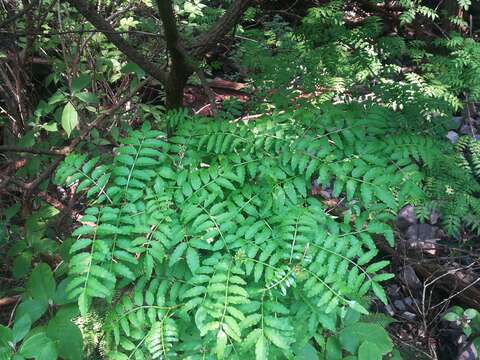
(393, 291)
(421, 232)
(434, 217)
(406, 217)
(457, 121)
(409, 316)
(423, 237)
(389, 310)
(466, 129)
(400, 305)
(468, 352)
(452, 136)
(410, 278)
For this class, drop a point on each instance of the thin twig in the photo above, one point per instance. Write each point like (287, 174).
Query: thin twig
(19, 149)
(31, 187)
(456, 294)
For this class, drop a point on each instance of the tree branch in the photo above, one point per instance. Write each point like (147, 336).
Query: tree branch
(17, 149)
(14, 17)
(167, 15)
(9, 300)
(222, 26)
(131, 53)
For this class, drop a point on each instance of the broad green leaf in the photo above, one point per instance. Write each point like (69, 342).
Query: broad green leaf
(366, 194)
(21, 327)
(350, 187)
(166, 172)
(67, 336)
(33, 308)
(81, 82)
(334, 350)
(357, 307)
(87, 97)
(84, 303)
(69, 118)
(277, 339)
(378, 290)
(369, 351)
(353, 335)
(6, 336)
(38, 346)
(290, 191)
(451, 316)
(307, 352)
(41, 284)
(50, 127)
(22, 264)
(377, 266)
(386, 196)
(225, 183)
(470, 313)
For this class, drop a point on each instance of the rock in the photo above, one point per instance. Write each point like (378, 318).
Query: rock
(457, 121)
(389, 310)
(421, 232)
(406, 217)
(393, 291)
(434, 217)
(452, 136)
(410, 278)
(461, 340)
(466, 129)
(409, 316)
(408, 301)
(468, 352)
(423, 237)
(399, 305)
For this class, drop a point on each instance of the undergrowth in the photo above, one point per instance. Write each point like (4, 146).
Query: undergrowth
(207, 238)
(210, 241)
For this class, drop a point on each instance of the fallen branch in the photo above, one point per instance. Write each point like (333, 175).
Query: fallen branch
(18, 149)
(9, 300)
(466, 293)
(59, 205)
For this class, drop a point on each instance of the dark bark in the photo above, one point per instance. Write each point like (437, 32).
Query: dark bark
(206, 41)
(180, 67)
(180, 71)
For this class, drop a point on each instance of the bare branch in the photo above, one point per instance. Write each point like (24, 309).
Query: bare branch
(9, 300)
(204, 42)
(131, 53)
(18, 149)
(167, 15)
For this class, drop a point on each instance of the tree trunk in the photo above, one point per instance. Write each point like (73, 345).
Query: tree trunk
(175, 88)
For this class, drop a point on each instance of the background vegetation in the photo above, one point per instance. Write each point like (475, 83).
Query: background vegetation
(239, 179)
